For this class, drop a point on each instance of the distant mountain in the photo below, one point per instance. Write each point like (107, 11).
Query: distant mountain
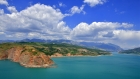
(5, 41)
(131, 51)
(32, 40)
(50, 41)
(103, 46)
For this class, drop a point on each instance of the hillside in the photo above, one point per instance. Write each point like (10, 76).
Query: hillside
(31, 54)
(63, 48)
(131, 51)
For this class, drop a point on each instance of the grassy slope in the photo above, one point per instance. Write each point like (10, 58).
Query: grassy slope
(50, 49)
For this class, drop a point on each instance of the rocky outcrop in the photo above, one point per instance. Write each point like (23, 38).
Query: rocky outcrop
(27, 57)
(3, 56)
(56, 55)
(67, 55)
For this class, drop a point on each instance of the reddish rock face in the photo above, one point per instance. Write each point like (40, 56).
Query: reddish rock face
(68, 54)
(26, 58)
(3, 56)
(57, 55)
(14, 53)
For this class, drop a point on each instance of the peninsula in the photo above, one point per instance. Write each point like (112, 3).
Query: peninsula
(31, 54)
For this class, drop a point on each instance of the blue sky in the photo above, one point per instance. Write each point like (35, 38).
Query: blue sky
(107, 21)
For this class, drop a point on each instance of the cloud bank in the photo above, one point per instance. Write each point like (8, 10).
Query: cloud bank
(38, 20)
(45, 22)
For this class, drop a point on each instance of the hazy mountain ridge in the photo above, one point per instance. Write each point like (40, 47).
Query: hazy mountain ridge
(131, 51)
(103, 46)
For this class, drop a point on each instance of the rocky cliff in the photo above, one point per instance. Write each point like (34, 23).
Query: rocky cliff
(27, 56)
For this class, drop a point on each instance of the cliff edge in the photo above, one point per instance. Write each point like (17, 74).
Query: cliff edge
(26, 55)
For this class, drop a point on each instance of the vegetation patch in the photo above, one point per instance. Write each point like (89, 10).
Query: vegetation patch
(51, 49)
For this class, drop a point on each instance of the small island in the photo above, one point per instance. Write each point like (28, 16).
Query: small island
(131, 51)
(31, 54)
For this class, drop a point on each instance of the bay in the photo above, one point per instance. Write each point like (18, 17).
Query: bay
(117, 66)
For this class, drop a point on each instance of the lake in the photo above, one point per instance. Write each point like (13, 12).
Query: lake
(117, 66)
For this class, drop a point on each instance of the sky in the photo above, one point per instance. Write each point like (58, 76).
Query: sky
(105, 21)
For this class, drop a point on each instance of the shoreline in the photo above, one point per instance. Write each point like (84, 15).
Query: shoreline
(79, 56)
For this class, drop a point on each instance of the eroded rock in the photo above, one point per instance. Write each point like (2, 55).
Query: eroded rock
(27, 58)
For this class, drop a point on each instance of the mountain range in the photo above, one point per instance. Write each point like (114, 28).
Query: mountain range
(103, 46)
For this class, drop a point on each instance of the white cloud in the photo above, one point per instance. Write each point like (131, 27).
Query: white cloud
(107, 32)
(127, 34)
(12, 9)
(33, 35)
(61, 4)
(76, 9)
(1, 33)
(46, 22)
(18, 35)
(127, 39)
(1, 11)
(63, 27)
(4, 2)
(40, 20)
(93, 3)
(84, 29)
(126, 25)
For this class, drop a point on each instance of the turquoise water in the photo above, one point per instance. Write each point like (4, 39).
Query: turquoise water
(102, 67)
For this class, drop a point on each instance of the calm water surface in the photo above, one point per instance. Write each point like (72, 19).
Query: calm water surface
(103, 67)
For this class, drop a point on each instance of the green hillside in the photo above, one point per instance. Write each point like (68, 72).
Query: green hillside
(50, 49)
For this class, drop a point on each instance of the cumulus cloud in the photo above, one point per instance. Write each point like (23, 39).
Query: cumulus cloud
(12, 9)
(127, 34)
(93, 3)
(38, 20)
(127, 39)
(107, 32)
(3, 2)
(84, 29)
(76, 9)
(46, 22)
